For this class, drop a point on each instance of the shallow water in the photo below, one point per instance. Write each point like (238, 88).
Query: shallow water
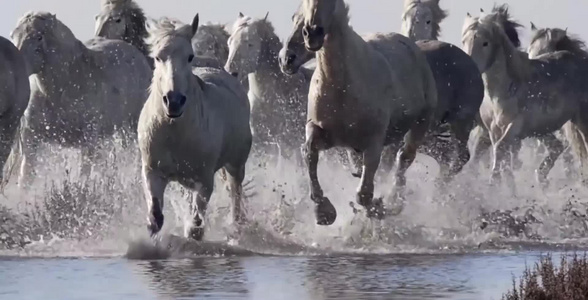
(67, 238)
(472, 276)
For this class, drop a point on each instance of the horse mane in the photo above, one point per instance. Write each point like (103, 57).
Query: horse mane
(562, 41)
(166, 28)
(439, 14)
(501, 16)
(136, 31)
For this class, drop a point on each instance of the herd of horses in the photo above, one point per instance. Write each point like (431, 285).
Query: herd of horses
(200, 98)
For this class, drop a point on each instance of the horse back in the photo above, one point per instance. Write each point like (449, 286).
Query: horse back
(459, 83)
(14, 78)
(123, 75)
(228, 111)
(414, 80)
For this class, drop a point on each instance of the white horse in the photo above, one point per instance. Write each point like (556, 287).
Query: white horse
(83, 93)
(363, 97)
(194, 123)
(278, 101)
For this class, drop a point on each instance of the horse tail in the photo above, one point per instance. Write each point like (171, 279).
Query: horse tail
(577, 140)
(15, 157)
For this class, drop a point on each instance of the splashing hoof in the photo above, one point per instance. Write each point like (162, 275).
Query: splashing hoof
(376, 209)
(156, 223)
(153, 229)
(196, 233)
(325, 212)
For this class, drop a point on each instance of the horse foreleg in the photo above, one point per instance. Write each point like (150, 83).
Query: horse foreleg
(315, 142)
(503, 152)
(236, 177)
(555, 148)
(405, 157)
(365, 192)
(481, 143)
(28, 149)
(154, 186)
(203, 192)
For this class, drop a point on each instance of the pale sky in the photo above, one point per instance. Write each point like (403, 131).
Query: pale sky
(366, 15)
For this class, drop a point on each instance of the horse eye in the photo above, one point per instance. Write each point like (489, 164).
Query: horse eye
(485, 44)
(157, 58)
(118, 20)
(250, 45)
(191, 58)
(429, 22)
(40, 38)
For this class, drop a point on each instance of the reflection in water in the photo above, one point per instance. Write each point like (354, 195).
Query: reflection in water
(318, 278)
(198, 278)
(403, 277)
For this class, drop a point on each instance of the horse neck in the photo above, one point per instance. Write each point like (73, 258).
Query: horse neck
(268, 64)
(64, 62)
(337, 48)
(503, 78)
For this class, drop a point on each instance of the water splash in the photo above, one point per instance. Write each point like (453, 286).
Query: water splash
(104, 215)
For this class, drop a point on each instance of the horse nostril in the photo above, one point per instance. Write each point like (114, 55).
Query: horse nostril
(290, 59)
(183, 100)
(305, 31)
(165, 100)
(235, 74)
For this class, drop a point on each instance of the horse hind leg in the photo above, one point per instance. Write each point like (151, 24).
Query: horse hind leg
(154, 187)
(554, 148)
(406, 156)
(316, 141)
(236, 175)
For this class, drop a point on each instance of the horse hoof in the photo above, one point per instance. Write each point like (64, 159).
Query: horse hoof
(356, 174)
(376, 210)
(196, 233)
(325, 212)
(153, 230)
(365, 200)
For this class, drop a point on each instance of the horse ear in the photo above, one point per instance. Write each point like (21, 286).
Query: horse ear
(468, 14)
(533, 27)
(241, 15)
(266, 15)
(195, 24)
(481, 10)
(150, 24)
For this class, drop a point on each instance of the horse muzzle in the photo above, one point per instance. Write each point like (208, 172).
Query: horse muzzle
(314, 37)
(288, 62)
(174, 104)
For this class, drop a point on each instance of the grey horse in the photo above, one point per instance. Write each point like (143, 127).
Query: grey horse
(550, 40)
(363, 99)
(524, 97)
(459, 83)
(82, 93)
(195, 122)
(14, 95)
(460, 93)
